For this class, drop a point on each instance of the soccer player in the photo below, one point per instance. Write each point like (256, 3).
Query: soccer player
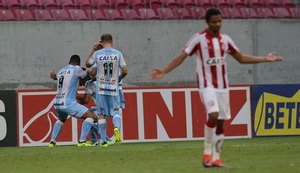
(109, 61)
(65, 100)
(209, 48)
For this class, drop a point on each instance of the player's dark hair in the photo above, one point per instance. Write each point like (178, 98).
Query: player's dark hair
(106, 38)
(211, 12)
(75, 59)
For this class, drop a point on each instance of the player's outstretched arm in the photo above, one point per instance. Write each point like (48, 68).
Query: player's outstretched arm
(271, 57)
(53, 75)
(96, 46)
(159, 73)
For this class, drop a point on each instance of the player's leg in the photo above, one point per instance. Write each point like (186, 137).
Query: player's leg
(223, 101)
(209, 99)
(114, 104)
(95, 136)
(102, 105)
(62, 117)
(87, 124)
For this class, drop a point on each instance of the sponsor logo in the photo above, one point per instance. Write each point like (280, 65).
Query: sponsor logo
(108, 58)
(215, 61)
(277, 115)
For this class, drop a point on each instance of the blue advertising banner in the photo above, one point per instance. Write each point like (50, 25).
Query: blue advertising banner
(276, 110)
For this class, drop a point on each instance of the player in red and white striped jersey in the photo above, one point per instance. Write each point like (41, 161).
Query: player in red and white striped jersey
(209, 48)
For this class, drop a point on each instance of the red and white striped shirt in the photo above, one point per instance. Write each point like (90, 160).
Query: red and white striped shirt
(209, 52)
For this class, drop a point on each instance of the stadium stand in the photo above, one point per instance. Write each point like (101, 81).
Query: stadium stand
(148, 9)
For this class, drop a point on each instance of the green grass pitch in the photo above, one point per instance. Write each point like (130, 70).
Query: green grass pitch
(261, 155)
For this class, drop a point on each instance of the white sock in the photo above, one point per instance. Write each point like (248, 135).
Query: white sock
(217, 146)
(208, 135)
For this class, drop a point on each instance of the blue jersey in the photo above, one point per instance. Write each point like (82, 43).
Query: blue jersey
(108, 61)
(67, 85)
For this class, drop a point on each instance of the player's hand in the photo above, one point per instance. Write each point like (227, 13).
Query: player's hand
(156, 74)
(53, 74)
(97, 46)
(271, 57)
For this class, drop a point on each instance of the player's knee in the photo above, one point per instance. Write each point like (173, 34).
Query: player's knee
(213, 117)
(61, 122)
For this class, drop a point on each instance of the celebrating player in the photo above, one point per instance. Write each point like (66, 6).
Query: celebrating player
(65, 100)
(109, 61)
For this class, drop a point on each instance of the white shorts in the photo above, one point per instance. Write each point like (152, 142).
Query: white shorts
(215, 101)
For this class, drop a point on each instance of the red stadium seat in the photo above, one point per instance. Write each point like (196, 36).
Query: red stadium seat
(30, 5)
(66, 4)
(254, 3)
(130, 14)
(137, 4)
(148, 14)
(198, 13)
(220, 3)
(155, 4)
(119, 4)
(78, 14)
(266, 13)
(165, 13)
(23, 15)
(182, 13)
(225, 13)
(282, 13)
(6, 15)
(188, 4)
(250, 13)
(100, 4)
(295, 12)
(172, 4)
(237, 3)
(60, 14)
(40, 14)
(12, 4)
(286, 3)
(112, 14)
(96, 14)
(83, 4)
(204, 3)
(47, 4)
(270, 3)
(235, 13)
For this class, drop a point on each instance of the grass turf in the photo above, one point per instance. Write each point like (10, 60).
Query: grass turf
(267, 155)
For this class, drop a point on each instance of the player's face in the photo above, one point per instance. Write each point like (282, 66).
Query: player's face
(214, 24)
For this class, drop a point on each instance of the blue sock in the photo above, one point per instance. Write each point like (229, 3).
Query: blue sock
(56, 130)
(117, 121)
(102, 129)
(94, 132)
(86, 127)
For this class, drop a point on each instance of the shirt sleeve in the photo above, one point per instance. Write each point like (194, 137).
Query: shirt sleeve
(92, 59)
(232, 48)
(81, 73)
(122, 61)
(191, 46)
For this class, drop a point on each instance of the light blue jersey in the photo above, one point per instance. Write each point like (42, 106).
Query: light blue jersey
(67, 85)
(108, 61)
(90, 88)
